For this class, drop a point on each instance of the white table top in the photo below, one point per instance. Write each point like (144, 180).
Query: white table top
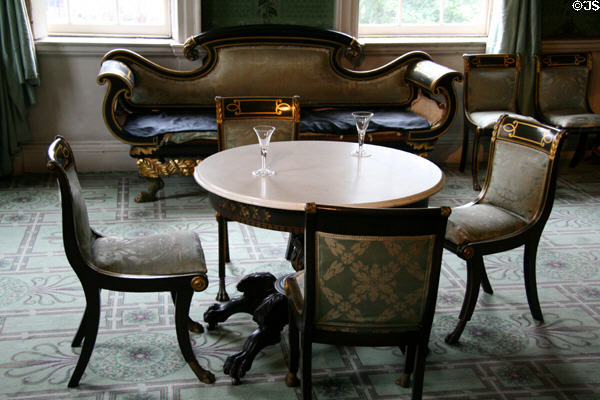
(322, 172)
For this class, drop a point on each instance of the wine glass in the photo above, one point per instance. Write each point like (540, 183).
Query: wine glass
(263, 132)
(361, 118)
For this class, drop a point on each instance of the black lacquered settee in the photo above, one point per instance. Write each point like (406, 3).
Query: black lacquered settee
(168, 116)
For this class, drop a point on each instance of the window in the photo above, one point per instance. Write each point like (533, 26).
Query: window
(150, 18)
(423, 18)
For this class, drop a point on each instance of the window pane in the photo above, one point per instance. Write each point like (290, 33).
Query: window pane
(463, 11)
(57, 12)
(421, 12)
(142, 12)
(92, 12)
(379, 12)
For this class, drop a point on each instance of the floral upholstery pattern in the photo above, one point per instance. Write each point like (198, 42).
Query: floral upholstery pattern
(491, 89)
(371, 284)
(522, 196)
(161, 254)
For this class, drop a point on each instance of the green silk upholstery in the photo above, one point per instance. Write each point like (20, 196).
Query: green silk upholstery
(370, 284)
(563, 91)
(481, 222)
(83, 231)
(492, 89)
(572, 119)
(161, 254)
(518, 179)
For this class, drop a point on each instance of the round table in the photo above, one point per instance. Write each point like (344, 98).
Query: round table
(319, 172)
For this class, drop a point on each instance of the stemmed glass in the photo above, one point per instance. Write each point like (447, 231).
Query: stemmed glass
(263, 132)
(361, 118)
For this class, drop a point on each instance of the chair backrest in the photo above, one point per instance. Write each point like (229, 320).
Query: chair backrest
(237, 115)
(491, 82)
(562, 82)
(77, 234)
(522, 170)
(372, 271)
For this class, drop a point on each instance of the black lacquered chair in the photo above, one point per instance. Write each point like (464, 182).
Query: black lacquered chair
(170, 262)
(491, 89)
(562, 89)
(511, 209)
(236, 116)
(371, 279)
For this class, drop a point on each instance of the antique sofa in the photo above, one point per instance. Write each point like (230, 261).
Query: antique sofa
(168, 116)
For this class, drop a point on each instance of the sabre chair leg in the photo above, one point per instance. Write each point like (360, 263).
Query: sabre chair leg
(485, 283)
(192, 325)
(80, 335)
(409, 366)
(92, 320)
(474, 268)
(475, 160)
(183, 299)
(419, 375)
(291, 379)
(306, 381)
(529, 273)
(223, 244)
(579, 150)
(465, 146)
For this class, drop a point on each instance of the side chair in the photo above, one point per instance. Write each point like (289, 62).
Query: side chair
(371, 279)
(511, 209)
(491, 88)
(169, 262)
(236, 116)
(562, 89)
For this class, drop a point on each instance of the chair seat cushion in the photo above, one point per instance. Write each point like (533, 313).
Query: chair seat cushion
(487, 119)
(171, 253)
(563, 119)
(477, 222)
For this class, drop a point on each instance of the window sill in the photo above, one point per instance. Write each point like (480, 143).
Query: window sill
(101, 45)
(446, 45)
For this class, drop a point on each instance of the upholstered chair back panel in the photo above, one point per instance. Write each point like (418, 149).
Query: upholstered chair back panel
(564, 90)
(371, 284)
(492, 89)
(239, 132)
(518, 178)
(80, 216)
(270, 71)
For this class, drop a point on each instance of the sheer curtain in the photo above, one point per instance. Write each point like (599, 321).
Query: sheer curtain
(516, 27)
(18, 76)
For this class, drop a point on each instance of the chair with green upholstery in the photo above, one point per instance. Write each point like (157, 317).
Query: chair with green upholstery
(491, 89)
(170, 262)
(562, 89)
(371, 278)
(236, 116)
(511, 209)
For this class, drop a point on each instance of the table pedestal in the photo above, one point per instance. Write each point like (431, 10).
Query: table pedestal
(269, 310)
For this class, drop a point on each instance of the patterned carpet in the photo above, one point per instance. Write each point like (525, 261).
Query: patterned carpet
(503, 354)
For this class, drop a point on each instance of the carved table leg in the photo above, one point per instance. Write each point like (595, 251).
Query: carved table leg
(154, 185)
(269, 310)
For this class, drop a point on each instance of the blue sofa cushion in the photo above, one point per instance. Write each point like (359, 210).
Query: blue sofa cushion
(337, 121)
(340, 120)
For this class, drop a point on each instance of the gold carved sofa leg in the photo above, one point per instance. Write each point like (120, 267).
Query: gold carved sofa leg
(152, 169)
